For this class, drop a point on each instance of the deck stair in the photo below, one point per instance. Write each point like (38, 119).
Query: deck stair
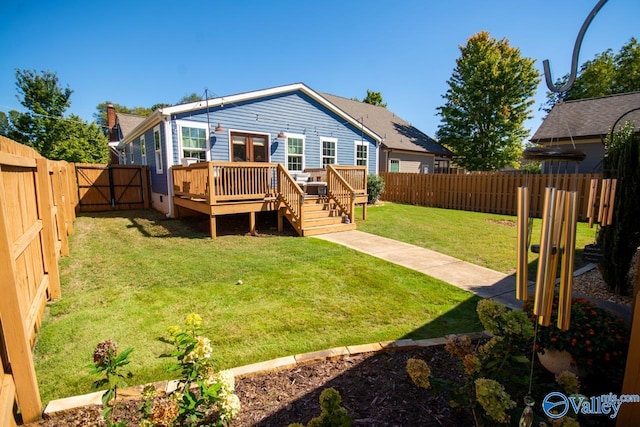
(322, 216)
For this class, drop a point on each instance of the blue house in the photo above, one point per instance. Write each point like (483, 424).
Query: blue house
(254, 142)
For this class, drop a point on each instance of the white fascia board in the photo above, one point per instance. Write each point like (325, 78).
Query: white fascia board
(246, 96)
(148, 123)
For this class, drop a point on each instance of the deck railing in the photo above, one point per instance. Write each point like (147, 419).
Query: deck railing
(355, 176)
(341, 191)
(291, 195)
(225, 181)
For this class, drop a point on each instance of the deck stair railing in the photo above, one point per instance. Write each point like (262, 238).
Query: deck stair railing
(292, 196)
(341, 192)
(355, 176)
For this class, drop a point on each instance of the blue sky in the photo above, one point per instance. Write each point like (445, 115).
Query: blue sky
(139, 53)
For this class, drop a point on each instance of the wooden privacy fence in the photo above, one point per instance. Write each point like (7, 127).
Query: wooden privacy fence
(483, 192)
(112, 187)
(37, 210)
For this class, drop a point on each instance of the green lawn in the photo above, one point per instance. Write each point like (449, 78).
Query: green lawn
(488, 240)
(131, 275)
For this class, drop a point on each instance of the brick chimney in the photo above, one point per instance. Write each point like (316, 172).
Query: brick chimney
(111, 122)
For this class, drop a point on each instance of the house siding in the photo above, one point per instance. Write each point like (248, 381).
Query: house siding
(294, 113)
(591, 164)
(409, 163)
(158, 181)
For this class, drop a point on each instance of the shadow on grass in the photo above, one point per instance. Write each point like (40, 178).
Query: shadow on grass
(151, 223)
(378, 377)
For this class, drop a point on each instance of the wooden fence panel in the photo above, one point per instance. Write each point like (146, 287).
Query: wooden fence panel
(34, 197)
(482, 192)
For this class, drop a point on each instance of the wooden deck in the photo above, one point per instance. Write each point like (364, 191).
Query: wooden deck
(222, 188)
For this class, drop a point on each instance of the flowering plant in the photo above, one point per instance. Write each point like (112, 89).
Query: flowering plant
(200, 387)
(596, 338)
(109, 365)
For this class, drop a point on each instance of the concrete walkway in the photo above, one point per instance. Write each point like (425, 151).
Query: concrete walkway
(482, 281)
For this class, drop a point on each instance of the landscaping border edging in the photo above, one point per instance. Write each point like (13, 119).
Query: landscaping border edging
(245, 371)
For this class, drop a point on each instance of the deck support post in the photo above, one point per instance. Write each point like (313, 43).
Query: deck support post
(364, 211)
(252, 223)
(280, 222)
(212, 225)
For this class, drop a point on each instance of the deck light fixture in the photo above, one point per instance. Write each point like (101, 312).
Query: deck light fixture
(281, 135)
(219, 129)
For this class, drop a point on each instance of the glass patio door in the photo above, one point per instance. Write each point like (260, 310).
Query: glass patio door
(248, 148)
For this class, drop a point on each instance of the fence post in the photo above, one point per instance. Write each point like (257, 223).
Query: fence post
(13, 327)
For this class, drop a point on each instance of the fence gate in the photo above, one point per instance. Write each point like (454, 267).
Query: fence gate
(112, 187)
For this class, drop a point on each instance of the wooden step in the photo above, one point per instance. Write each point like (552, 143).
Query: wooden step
(332, 213)
(327, 220)
(326, 229)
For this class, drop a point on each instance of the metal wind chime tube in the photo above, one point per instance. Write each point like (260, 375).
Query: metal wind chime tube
(541, 297)
(522, 279)
(568, 257)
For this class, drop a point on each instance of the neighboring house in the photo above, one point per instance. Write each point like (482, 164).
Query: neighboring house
(586, 123)
(404, 148)
(119, 125)
(292, 125)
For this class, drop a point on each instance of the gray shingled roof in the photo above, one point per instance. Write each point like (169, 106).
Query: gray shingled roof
(397, 133)
(588, 117)
(128, 122)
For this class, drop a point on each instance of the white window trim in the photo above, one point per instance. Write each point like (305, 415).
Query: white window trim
(158, 152)
(322, 156)
(355, 152)
(286, 148)
(143, 149)
(198, 125)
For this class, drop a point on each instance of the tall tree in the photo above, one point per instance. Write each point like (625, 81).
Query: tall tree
(607, 73)
(44, 126)
(192, 97)
(374, 98)
(489, 98)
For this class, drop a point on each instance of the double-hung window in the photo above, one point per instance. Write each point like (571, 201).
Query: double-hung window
(361, 153)
(194, 142)
(295, 153)
(143, 150)
(329, 151)
(157, 148)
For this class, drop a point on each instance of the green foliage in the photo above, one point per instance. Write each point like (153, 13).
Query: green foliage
(487, 103)
(375, 187)
(607, 74)
(491, 372)
(45, 128)
(109, 365)
(596, 339)
(620, 240)
(332, 415)
(200, 388)
(81, 143)
(192, 97)
(374, 98)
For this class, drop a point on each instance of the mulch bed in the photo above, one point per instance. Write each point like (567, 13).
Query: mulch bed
(375, 390)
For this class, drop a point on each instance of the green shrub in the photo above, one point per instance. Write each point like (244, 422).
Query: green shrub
(620, 240)
(375, 187)
(332, 415)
